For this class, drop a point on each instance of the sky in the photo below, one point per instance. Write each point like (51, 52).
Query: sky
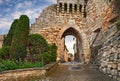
(12, 9)
(69, 42)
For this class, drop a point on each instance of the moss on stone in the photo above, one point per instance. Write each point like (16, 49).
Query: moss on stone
(118, 24)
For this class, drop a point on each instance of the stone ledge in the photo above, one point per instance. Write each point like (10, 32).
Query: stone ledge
(26, 74)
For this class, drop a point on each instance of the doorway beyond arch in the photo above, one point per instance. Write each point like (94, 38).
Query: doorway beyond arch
(79, 56)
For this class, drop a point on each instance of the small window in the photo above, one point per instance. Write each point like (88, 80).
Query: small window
(60, 7)
(80, 8)
(75, 7)
(110, 0)
(65, 7)
(70, 7)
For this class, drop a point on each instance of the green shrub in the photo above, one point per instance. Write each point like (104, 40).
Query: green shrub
(4, 52)
(20, 39)
(17, 64)
(49, 56)
(37, 44)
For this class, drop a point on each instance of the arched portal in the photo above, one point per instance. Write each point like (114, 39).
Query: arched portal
(79, 48)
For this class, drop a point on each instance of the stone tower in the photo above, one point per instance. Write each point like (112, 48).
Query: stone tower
(62, 19)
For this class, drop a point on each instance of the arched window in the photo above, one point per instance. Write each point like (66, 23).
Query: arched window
(65, 7)
(75, 7)
(70, 7)
(80, 8)
(60, 7)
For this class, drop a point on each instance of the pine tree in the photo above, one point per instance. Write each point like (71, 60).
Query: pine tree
(8, 39)
(20, 39)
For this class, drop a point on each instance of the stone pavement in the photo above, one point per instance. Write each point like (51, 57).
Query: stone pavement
(74, 72)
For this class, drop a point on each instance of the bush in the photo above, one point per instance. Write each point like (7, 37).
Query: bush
(37, 44)
(4, 52)
(49, 56)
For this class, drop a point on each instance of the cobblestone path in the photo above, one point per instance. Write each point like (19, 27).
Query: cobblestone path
(76, 73)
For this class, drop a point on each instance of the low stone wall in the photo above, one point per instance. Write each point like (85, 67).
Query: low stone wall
(109, 55)
(26, 74)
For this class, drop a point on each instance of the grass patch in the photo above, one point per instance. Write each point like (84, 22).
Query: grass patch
(15, 64)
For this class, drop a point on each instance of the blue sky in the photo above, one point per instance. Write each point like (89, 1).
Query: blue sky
(12, 9)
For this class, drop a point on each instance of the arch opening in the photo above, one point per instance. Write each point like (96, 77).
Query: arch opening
(73, 44)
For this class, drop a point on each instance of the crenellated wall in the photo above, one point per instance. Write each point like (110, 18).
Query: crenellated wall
(52, 23)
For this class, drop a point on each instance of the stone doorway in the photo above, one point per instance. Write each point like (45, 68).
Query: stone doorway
(77, 46)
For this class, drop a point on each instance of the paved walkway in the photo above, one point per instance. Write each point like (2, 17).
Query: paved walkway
(75, 72)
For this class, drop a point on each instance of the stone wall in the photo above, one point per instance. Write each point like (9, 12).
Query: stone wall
(52, 25)
(1, 40)
(99, 15)
(28, 74)
(109, 55)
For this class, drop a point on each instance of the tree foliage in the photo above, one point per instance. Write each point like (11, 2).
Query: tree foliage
(37, 44)
(8, 39)
(49, 56)
(20, 39)
(4, 52)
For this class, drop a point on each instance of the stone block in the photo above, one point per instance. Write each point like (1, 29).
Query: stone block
(114, 65)
(119, 66)
(114, 72)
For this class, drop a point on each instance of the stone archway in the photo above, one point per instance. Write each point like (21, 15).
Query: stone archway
(79, 48)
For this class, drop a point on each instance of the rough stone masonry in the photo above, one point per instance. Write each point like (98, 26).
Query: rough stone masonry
(92, 22)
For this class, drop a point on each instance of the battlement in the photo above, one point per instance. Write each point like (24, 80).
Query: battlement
(70, 6)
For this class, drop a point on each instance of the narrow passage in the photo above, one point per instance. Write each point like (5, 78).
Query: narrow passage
(75, 72)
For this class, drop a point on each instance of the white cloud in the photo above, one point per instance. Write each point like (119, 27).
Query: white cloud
(4, 22)
(69, 42)
(20, 5)
(4, 25)
(52, 1)
(24, 5)
(1, 1)
(28, 3)
(31, 13)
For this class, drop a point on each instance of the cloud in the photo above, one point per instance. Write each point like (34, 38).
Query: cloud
(1, 1)
(31, 13)
(28, 3)
(4, 22)
(20, 5)
(4, 25)
(52, 1)
(69, 42)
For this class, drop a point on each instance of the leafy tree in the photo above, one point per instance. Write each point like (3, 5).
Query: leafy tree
(4, 52)
(20, 39)
(37, 44)
(49, 56)
(8, 39)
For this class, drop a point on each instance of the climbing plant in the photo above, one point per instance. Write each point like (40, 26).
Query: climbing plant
(118, 24)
